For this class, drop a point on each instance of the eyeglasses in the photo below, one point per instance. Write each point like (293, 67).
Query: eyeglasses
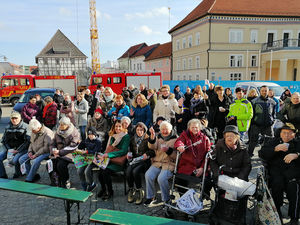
(14, 118)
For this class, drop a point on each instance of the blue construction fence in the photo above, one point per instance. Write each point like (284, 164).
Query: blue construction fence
(183, 84)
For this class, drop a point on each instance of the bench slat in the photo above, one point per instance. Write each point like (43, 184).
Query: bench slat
(106, 216)
(44, 190)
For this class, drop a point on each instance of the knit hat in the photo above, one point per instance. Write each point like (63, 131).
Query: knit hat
(92, 130)
(126, 118)
(98, 110)
(15, 114)
(231, 128)
(289, 126)
(160, 118)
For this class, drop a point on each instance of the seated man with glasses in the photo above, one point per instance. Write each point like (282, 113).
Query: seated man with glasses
(15, 143)
(282, 157)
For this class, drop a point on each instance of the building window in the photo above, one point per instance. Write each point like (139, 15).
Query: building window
(190, 77)
(253, 76)
(72, 61)
(178, 77)
(253, 60)
(235, 76)
(133, 66)
(190, 41)
(183, 64)
(213, 76)
(253, 36)
(45, 61)
(236, 60)
(197, 62)
(184, 77)
(167, 62)
(117, 80)
(190, 63)
(183, 43)
(197, 41)
(177, 45)
(178, 65)
(197, 77)
(235, 36)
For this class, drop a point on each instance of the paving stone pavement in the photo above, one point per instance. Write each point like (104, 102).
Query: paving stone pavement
(24, 209)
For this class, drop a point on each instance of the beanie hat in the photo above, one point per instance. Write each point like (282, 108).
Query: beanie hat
(231, 128)
(98, 110)
(92, 130)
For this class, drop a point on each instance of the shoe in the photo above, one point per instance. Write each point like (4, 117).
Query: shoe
(4, 177)
(28, 181)
(16, 175)
(149, 201)
(130, 197)
(68, 184)
(108, 195)
(294, 222)
(139, 196)
(90, 188)
(101, 193)
(36, 177)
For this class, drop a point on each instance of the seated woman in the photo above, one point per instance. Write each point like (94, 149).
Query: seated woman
(39, 149)
(233, 154)
(119, 141)
(91, 146)
(119, 109)
(66, 136)
(192, 158)
(163, 163)
(31, 110)
(134, 172)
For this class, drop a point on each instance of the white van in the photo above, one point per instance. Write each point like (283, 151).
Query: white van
(247, 86)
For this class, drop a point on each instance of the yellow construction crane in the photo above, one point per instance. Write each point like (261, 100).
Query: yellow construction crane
(94, 39)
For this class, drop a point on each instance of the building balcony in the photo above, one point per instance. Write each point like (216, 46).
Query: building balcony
(286, 44)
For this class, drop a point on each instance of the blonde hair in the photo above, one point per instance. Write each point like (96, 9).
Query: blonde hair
(198, 90)
(252, 93)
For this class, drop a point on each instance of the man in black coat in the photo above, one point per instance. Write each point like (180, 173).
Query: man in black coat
(282, 157)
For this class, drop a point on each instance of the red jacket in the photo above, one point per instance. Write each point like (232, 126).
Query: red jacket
(193, 157)
(49, 114)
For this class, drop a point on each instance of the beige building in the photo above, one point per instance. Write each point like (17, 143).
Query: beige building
(238, 40)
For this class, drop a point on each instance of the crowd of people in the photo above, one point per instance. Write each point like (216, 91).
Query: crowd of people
(150, 127)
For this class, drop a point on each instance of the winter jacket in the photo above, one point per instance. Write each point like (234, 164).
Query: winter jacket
(187, 100)
(152, 101)
(106, 105)
(290, 113)
(40, 142)
(62, 139)
(89, 98)
(166, 108)
(263, 111)
(68, 111)
(242, 110)
(29, 111)
(193, 157)
(164, 160)
(199, 105)
(236, 162)
(16, 137)
(217, 117)
(142, 148)
(92, 146)
(142, 113)
(81, 116)
(124, 111)
(178, 95)
(144, 92)
(58, 100)
(122, 150)
(101, 126)
(275, 162)
(50, 115)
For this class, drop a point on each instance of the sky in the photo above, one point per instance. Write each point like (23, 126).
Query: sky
(26, 26)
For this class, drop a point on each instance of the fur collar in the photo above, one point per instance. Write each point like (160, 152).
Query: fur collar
(171, 96)
(144, 103)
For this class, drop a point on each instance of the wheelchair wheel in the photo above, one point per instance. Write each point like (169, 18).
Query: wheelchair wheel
(169, 214)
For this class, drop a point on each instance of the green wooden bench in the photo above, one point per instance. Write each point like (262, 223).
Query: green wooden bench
(68, 195)
(105, 216)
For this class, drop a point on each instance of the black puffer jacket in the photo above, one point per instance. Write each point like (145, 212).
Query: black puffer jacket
(274, 160)
(263, 111)
(290, 113)
(237, 162)
(16, 137)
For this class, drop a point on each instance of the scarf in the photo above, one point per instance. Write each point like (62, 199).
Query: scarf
(46, 108)
(165, 97)
(119, 107)
(149, 96)
(108, 98)
(194, 103)
(138, 140)
(167, 138)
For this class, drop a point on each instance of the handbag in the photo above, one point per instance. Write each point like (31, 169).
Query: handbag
(121, 160)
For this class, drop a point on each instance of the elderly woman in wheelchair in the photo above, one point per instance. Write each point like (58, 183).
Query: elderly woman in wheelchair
(231, 159)
(281, 155)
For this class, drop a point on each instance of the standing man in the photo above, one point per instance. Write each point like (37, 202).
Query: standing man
(143, 90)
(240, 112)
(263, 118)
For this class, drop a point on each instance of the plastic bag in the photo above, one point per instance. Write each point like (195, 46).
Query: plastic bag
(190, 202)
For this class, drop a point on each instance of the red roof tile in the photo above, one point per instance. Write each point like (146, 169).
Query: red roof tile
(290, 8)
(164, 50)
(145, 50)
(132, 50)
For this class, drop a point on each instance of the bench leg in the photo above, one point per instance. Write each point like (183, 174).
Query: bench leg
(68, 208)
(78, 213)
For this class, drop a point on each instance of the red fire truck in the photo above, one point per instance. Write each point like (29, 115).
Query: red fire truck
(13, 86)
(117, 81)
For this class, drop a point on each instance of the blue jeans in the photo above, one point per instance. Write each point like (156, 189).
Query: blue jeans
(82, 132)
(32, 169)
(15, 161)
(163, 177)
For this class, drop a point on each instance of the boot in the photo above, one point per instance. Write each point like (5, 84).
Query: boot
(139, 196)
(130, 198)
(84, 186)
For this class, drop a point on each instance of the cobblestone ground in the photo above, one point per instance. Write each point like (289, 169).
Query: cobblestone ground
(23, 209)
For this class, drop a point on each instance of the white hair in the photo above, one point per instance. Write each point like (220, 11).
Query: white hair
(34, 124)
(165, 124)
(126, 118)
(65, 120)
(194, 121)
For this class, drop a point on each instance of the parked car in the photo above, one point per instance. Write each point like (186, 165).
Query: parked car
(43, 92)
(247, 86)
